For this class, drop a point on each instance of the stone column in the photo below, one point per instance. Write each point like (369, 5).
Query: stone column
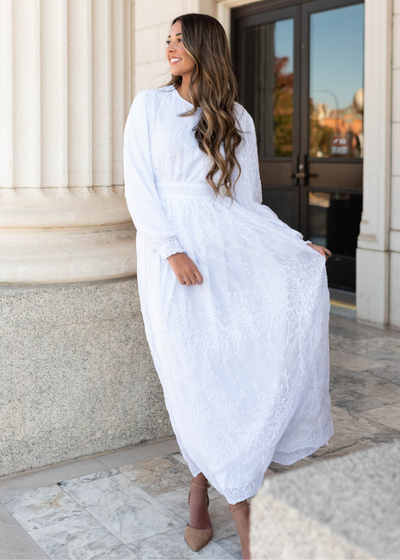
(395, 192)
(373, 241)
(77, 377)
(65, 92)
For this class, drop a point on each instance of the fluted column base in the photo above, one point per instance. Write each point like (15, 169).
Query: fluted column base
(65, 235)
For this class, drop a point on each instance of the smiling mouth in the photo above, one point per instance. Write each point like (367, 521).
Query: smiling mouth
(174, 60)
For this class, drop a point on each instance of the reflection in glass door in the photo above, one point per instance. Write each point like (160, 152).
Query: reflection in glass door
(268, 91)
(336, 82)
(267, 63)
(300, 73)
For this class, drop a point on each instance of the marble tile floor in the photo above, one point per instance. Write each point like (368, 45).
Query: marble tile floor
(132, 503)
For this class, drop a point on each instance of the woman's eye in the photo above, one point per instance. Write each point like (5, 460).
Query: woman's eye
(169, 42)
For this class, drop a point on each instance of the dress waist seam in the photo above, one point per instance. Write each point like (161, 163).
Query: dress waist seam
(183, 189)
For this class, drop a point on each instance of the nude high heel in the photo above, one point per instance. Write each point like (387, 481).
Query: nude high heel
(196, 539)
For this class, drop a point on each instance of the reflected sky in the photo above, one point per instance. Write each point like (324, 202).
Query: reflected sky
(284, 42)
(337, 55)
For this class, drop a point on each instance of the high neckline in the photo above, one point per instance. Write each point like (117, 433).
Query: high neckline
(183, 99)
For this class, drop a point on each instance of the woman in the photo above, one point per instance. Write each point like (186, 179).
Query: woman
(235, 303)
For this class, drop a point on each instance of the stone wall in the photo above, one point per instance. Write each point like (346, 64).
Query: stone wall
(77, 376)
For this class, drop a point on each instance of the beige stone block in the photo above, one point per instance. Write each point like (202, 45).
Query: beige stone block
(152, 75)
(396, 41)
(396, 96)
(209, 7)
(162, 35)
(146, 45)
(394, 289)
(395, 202)
(148, 14)
(396, 149)
(372, 287)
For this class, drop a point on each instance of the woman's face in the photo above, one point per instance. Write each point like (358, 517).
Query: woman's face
(180, 62)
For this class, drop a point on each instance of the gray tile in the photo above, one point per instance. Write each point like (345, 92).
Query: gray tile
(385, 391)
(177, 501)
(349, 428)
(377, 345)
(67, 484)
(41, 507)
(16, 544)
(389, 416)
(388, 373)
(353, 401)
(350, 329)
(352, 362)
(123, 508)
(159, 475)
(232, 545)
(179, 457)
(344, 450)
(48, 475)
(357, 380)
(171, 545)
(139, 453)
(81, 538)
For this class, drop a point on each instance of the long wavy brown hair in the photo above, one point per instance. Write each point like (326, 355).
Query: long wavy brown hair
(205, 40)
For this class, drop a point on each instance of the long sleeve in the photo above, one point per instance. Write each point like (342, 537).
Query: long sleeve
(141, 194)
(248, 188)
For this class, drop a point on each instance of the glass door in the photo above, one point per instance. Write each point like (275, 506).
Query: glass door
(300, 72)
(268, 76)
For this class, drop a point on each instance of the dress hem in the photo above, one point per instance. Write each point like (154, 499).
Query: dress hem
(247, 494)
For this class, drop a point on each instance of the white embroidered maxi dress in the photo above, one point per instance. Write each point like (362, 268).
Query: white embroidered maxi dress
(243, 358)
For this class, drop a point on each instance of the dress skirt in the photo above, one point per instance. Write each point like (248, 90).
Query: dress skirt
(243, 358)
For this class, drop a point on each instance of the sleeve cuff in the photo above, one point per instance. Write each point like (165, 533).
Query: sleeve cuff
(170, 247)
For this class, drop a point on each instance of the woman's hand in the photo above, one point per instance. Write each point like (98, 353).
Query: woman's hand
(185, 269)
(324, 252)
